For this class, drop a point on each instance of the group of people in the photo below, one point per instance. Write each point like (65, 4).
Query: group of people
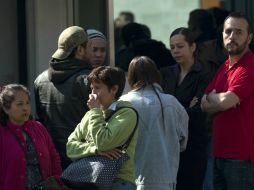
(78, 101)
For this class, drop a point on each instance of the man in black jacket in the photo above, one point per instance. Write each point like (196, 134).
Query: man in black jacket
(61, 91)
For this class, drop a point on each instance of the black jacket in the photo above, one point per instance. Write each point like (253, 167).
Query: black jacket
(61, 93)
(193, 85)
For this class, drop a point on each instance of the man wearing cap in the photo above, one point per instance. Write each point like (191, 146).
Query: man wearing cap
(96, 47)
(61, 91)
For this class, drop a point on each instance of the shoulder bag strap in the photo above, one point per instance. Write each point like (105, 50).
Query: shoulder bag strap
(18, 140)
(126, 144)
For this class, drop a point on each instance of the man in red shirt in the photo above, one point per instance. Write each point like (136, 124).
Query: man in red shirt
(230, 98)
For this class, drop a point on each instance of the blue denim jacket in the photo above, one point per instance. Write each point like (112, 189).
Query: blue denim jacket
(160, 138)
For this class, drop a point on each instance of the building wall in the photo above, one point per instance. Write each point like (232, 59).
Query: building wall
(9, 42)
(210, 3)
(45, 20)
(162, 16)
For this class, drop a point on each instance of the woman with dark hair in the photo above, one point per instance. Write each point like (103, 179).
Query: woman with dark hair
(28, 155)
(163, 127)
(107, 125)
(187, 82)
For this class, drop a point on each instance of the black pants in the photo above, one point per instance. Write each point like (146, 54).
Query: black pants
(192, 169)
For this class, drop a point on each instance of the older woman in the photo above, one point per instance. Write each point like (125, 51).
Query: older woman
(28, 155)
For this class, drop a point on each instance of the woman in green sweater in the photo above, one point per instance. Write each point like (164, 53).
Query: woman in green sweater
(97, 135)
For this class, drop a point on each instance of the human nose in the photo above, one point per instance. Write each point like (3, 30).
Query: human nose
(93, 91)
(174, 51)
(232, 34)
(98, 54)
(27, 107)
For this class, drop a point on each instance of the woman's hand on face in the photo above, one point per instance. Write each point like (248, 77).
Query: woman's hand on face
(93, 101)
(111, 154)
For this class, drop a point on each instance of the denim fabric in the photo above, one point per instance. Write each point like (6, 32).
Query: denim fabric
(233, 174)
(160, 138)
(120, 184)
(208, 181)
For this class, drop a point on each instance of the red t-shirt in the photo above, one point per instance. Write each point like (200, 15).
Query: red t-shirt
(233, 129)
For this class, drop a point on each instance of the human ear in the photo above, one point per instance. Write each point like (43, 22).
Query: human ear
(193, 47)
(250, 37)
(114, 89)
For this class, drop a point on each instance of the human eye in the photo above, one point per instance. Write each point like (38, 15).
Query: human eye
(238, 32)
(97, 88)
(19, 103)
(103, 49)
(228, 31)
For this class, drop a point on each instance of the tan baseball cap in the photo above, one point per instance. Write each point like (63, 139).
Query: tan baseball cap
(69, 39)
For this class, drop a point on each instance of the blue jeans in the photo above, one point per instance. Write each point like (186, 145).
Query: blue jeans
(233, 174)
(208, 181)
(120, 184)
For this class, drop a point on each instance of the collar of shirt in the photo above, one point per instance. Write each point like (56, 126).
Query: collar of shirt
(242, 60)
(196, 67)
(112, 106)
(107, 113)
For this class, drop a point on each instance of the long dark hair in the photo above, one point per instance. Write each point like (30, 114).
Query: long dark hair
(7, 96)
(143, 72)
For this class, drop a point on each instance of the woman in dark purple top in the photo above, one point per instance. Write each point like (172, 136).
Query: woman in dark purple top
(187, 81)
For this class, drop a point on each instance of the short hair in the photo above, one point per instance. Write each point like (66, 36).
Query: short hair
(219, 15)
(133, 31)
(201, 19)
(7, 96)
(110, 76)
(142, 72)
(241, 16)
(129, 16)
(147, 31)
(73, 53)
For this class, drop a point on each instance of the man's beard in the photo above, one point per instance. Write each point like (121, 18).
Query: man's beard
(239, 48)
